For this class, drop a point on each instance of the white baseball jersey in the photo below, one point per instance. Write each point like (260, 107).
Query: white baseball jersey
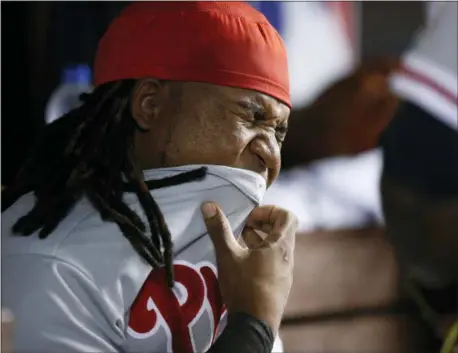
(84, 288)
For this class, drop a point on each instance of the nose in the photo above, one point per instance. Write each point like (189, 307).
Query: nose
(267, 150)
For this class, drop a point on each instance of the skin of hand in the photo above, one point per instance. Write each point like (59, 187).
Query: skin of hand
(255, 279)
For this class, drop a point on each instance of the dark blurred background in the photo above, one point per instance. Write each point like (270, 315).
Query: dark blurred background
(40, 38)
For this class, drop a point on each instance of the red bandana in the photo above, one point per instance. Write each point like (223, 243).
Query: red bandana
(223, 43)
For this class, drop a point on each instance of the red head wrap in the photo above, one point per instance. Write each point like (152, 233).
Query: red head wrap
(223, 43)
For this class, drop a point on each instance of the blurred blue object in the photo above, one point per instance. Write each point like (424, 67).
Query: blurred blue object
(78, 74)
(75, 80)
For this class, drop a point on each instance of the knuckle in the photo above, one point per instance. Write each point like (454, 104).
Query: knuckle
(276, 235)
(282, 214)
(290, 218)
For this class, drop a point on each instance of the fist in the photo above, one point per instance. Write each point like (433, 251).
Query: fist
(255, 279)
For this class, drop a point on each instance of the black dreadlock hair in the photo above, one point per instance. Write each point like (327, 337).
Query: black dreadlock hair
(89, 152)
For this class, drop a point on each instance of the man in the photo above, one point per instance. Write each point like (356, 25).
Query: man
(104, 246)
(421, 148)
(420, 175)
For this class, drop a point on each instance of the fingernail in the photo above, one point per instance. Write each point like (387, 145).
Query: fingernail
(208, 210)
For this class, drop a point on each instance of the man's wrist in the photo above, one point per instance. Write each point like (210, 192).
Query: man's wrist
(244, 334)
(247, 319)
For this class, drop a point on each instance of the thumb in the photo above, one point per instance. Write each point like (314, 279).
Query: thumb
(219, 230)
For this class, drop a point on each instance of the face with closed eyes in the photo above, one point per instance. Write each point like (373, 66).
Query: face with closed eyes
(198, 123)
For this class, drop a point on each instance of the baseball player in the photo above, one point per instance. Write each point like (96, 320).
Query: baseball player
(104, 244)
(420, 173)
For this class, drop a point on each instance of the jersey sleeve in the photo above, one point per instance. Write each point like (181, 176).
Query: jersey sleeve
(57, 308)
(429, 75)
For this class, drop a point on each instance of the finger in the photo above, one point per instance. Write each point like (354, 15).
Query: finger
(284, 230)
(219, 230)
(279, 219)
(252, 238)
(261, 227)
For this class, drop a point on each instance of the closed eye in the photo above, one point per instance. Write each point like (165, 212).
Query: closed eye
(280, 133)
(258, 114)
(282, 129)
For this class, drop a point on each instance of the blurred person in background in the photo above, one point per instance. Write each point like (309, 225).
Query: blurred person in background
(104, 247)
(419, 184)
(420, 159)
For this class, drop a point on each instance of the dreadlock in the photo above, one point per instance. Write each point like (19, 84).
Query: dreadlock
(91, 154)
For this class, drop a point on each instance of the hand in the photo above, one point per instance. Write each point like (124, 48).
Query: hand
(255, 279)
(347, 118)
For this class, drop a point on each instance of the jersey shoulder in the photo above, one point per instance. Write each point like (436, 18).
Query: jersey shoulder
(429, 75)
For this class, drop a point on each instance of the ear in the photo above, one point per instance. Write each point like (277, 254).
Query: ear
(148, 98)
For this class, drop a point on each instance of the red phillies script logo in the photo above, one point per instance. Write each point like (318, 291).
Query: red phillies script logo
(196, 293)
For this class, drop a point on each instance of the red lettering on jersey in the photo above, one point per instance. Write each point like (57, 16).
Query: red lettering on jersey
(214, 296)
(143, 319)
(155, 300)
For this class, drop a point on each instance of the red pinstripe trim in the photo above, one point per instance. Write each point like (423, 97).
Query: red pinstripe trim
(421, 78)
